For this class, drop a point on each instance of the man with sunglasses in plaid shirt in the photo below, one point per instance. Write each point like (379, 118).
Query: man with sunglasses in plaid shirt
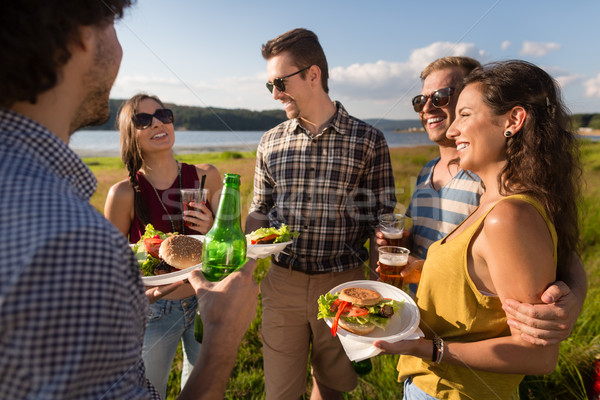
(445, 195)
(326, 175)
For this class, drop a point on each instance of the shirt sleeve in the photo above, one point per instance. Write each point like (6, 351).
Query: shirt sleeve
(262, 201)
(73, 322)
(379, 177)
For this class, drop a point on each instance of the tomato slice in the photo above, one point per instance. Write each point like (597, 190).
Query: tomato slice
(152, 245)
(336, 320)
(355, 311)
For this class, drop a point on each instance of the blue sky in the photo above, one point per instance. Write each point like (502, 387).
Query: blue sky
(207, 53)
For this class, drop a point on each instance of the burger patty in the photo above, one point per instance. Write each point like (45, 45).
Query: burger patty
(163, 268)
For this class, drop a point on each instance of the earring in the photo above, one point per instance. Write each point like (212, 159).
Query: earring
(508, 134)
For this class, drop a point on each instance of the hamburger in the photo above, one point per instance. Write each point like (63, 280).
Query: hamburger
(178, 252)
(271, 235)
(357, 310)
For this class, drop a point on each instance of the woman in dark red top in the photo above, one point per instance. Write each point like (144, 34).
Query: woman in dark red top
(152, 195)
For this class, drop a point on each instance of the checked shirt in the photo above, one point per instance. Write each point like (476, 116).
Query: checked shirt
(329, 188)
(72, 304)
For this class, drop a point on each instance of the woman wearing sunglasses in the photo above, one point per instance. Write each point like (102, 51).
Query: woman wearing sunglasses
(511, 129)
(151, 195)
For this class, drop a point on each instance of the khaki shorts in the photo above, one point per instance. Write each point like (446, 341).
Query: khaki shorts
(290, 325)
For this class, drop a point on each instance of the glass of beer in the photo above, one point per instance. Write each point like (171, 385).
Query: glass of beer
(392, 260)
(392, 227)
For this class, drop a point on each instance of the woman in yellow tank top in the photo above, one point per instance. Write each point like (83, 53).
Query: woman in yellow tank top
(511, 130)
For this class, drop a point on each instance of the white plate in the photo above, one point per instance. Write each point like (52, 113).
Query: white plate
(199, 237)
(171, 277)
(265, 250)
(401, 325)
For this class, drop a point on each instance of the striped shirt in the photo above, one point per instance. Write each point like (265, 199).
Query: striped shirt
(435, 213)
(72, 304)
(329, 188)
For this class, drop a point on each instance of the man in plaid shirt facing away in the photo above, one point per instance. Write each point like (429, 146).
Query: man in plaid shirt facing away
(326, 175)
(72, 303)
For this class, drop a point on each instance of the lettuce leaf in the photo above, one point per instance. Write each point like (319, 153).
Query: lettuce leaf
(147, 262)
(284, 234)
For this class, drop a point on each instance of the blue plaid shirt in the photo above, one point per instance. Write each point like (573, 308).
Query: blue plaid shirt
(72, 304)
(329, 188)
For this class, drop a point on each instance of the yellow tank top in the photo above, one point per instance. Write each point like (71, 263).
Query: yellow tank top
(453, 307)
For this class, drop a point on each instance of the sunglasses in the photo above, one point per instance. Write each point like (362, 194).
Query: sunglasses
(278, 82)
(439, 98)
(144, 120)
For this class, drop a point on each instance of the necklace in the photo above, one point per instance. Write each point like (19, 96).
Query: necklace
(163, 204)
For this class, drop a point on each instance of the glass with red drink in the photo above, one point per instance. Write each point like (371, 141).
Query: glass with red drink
(192, 196)
(392, 260)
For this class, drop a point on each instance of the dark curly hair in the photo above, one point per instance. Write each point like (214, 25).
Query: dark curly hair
(34, 41)
(543, 157)
(305, 49)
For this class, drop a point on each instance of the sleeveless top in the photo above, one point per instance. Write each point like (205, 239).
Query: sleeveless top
(171, 199)
(451, 306)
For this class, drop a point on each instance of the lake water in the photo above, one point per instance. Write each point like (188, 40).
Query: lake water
(106, 143)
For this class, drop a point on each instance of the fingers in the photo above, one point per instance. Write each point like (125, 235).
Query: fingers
(540, 324)
(555, 292)
(157, 292)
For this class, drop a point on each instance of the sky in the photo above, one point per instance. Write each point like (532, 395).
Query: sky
(207, 53)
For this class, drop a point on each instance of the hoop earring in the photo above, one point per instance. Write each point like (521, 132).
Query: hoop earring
(508, 134)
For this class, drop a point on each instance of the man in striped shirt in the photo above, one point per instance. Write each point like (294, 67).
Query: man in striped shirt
(445, 195)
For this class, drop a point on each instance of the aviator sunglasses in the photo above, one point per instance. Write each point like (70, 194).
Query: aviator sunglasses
(278, 82)
(439, 98)
(144, 120)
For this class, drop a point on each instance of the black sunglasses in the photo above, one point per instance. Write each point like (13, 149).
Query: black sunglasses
(278, 82)
(439, 98)
(144, 120)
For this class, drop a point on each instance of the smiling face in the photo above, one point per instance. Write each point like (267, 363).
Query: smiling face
(436, 121)
(478, 132)
(158, 136)
(296, 98)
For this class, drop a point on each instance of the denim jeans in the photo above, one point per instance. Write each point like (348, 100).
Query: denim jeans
(169, 321)
(412, 392)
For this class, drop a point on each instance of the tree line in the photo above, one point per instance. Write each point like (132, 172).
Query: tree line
(193, 118)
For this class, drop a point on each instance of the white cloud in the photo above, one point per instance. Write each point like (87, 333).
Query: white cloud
(505, 45)
(385, 80)
(538, 49)
(592, 87)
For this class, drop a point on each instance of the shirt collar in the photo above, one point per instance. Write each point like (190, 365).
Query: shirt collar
(25, 135)
(335, 123)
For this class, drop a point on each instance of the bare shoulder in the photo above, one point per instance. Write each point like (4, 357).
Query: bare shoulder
(207, 169)
(513, 214)
(121, 191)
(213, 177)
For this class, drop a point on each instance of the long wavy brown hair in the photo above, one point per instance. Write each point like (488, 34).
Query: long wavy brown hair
(543, 157)
(131, 154)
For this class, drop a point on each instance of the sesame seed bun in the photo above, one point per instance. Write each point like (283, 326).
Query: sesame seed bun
(180, 251)
(360, 296)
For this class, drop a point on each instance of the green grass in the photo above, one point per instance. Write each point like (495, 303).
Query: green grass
(569, 381)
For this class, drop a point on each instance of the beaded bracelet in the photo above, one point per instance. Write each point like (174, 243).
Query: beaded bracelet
(438, 350)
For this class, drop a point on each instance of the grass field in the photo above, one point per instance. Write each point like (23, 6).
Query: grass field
(574, 372)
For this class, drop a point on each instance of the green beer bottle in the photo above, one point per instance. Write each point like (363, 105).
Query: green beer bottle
(224, 249)
(362, 367)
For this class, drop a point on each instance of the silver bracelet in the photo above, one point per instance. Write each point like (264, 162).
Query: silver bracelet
(438, 351)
